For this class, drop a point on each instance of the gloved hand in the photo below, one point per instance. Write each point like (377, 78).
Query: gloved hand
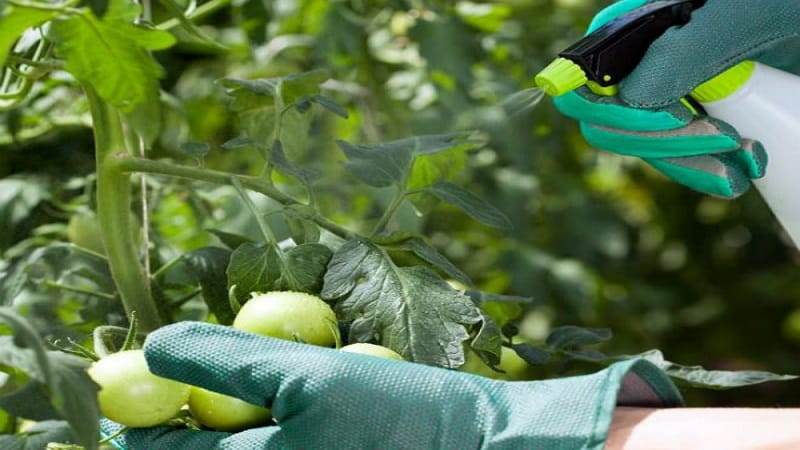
(324, 398)
(647, 119)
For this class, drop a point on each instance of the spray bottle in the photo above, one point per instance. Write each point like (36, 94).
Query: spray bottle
(761, 102)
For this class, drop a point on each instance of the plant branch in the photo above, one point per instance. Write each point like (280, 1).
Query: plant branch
(397, 201)
(198, 13)
(127, 163)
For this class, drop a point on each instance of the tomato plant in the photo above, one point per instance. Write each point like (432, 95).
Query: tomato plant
(357, 152)
(131, 395)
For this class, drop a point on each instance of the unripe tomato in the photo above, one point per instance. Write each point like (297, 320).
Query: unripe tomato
(83, 230)
(514, 366)
(372, 350)
(289, 315)
(225, 413)
(131, 395)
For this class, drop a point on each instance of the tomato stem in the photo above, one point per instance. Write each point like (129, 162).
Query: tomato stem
(257, 184)
(114, 215)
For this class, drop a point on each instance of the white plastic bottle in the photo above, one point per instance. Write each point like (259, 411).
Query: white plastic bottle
(763, 103)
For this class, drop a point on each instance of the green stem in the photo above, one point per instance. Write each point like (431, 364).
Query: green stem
(114, 216)
(132, 164)
(201, 11)
(397, 201)
(79, 290)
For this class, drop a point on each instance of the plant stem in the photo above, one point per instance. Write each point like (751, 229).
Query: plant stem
(201, 11)
(397, 201)
(127, 163)
(79, 290)
(114, 216)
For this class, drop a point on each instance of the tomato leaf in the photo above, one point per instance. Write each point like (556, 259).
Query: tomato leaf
(38, 435)
(390, 163)
(253, 267)
(63, 377)
(570, 337)
(19, 198)
(699, 377)
(488, 341)
(112, 54)
(410, 310)
(304, 267)
(474, 206)
(208, 265)
(420, 247)
(531, 354)
(14, 20)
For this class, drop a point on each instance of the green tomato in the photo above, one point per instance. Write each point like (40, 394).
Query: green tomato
(83, 230)
(225, 413)
(514, 366)
(294, 316)
(131, 395)
(372, 350)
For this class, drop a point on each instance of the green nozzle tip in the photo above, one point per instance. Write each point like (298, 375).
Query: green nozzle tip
(559, 77)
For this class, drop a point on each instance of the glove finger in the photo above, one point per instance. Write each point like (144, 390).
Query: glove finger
(686, 56)
(720, 175)
(608, 111)
(702, 136)
(170, 438)
(704, 173)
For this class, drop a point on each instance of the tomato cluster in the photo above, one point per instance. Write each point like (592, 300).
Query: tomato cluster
(131, 395)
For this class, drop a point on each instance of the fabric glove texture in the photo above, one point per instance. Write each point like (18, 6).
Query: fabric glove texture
(647, 118)
(322, 398)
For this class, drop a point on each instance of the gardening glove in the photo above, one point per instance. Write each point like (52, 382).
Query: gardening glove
(325, 398)
(647, 118)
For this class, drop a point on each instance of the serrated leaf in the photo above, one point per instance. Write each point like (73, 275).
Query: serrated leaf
(208, 265)
(278, 157)
(19, 198)
(70, 390)
(230, 240)
(112, 54)
(474, 206)
(38, 435)
(699, 377)
(15, 21)
(301, 229)
(177, 12)
(570, 337)
(238, 142)
(430, 168)
(196, 149)
(296, 86)
(420, 247)
(488, 341)
(389, 163)
(531, 354)
(408, 309)
(253, 267)
(98, 7)
(304, 267)
(329, 104)
(376, 165)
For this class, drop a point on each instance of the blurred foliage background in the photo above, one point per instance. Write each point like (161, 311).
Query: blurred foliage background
(599, 240)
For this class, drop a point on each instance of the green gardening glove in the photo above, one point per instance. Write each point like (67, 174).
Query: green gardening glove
(647, 118)
(322, 398)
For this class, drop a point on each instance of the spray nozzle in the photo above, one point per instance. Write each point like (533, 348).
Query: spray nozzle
(610, 53)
